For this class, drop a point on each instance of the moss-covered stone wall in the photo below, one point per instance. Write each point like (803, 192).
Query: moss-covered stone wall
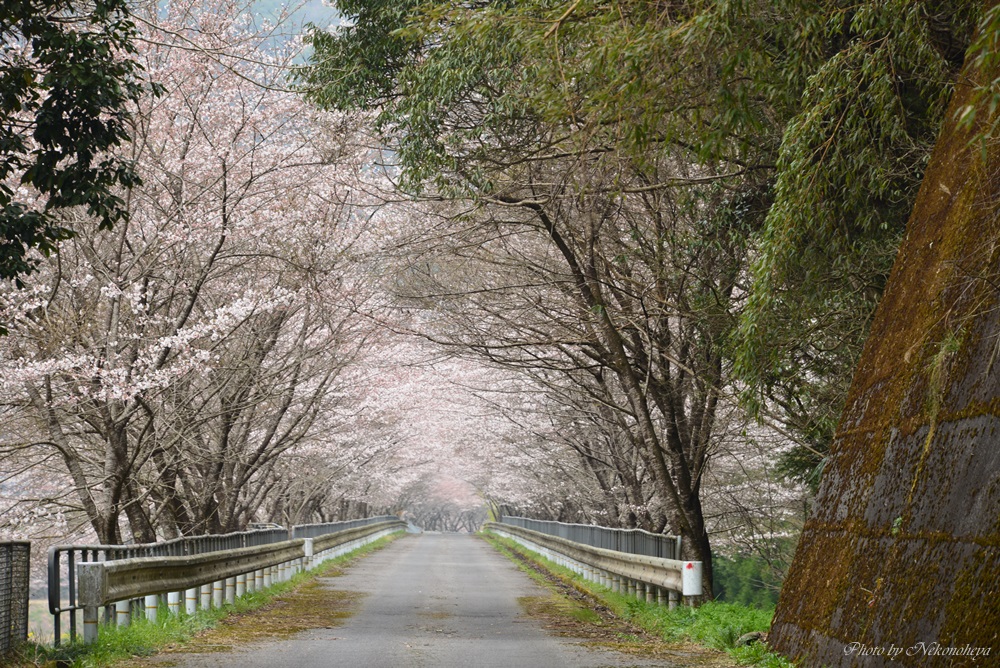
(900, 563)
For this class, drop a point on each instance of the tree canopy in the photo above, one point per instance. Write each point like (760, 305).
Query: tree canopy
(815, 117)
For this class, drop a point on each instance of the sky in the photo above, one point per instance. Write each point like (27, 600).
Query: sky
(305, 11)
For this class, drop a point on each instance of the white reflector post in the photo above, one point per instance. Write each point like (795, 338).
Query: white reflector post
(691, 579)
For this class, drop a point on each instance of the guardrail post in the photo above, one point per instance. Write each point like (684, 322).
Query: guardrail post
(218, 589)
(230, 591)
(266, 577)
(174, 603)
(307, 549)
(691, 581)
(258, 579)
(149, 607)
(206, 596)
(241, 584)
(123, 613)
(191, 600)
(89, 623)
(92, 584)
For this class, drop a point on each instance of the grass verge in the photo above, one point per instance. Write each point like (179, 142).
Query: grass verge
(143, 638)
(715, 625)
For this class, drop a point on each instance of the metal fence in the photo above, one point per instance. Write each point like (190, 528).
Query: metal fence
(630, 541)
(14, 563)
(317, 530)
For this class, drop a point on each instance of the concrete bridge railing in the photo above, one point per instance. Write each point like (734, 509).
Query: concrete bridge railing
(654, 579)
(210, 579)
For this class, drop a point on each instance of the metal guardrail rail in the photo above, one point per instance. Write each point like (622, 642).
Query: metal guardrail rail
(631, 541)
(14, 567)
(213, 578)
(64, 560)
(316, 530)
(652, 578)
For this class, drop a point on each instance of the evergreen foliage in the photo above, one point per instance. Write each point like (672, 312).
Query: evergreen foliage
(746, 580)
(66, 83)
(849, 164)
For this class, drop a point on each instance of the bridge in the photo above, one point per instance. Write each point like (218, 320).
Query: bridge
(428, 599)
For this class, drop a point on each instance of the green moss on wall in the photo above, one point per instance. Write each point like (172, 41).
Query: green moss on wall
(904, 546)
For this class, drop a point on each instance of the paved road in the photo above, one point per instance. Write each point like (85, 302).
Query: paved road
(430, 600)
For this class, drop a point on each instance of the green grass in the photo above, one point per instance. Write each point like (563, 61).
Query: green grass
(714, 624)
(143, 638)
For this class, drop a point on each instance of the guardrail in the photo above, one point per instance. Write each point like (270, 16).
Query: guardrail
(14, 567)
(632, 541)
(315, 530)
(206, 570)
(63, 560)
(654, 579)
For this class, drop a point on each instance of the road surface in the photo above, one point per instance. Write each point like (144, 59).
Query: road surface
(427, 601)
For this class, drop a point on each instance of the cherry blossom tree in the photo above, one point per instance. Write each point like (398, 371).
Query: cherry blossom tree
(171, 362)
(279, 334)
